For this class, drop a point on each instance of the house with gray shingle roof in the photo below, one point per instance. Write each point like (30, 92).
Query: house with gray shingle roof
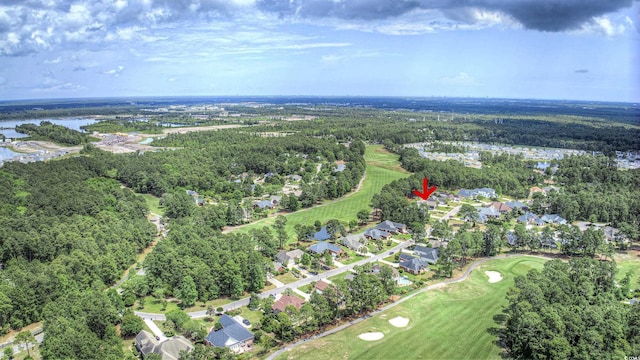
(169, 349)
(553, 219)
(355, 242)
(232, 335)
(392, 227)
(289, 257)
(531, 219)
(321, 247)
(427, 253)
(376, 234)
(414, 265)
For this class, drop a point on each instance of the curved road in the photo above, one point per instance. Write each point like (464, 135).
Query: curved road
(464, 276)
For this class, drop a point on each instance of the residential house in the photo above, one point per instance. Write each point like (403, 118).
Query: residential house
(392, 227)
(512, 238)
(286, 300)
(414, 265)
(277, 267)
(264, 204)
(517, 205)
(376, 234)
(321, 286)
(289, 257)
(321, 235)
(427, 253)
(530, 219)
(553, 219)
(340, 167)
(168, 349)
(486, 213)
(232, 335)
(474, 193)
(321, 247)
(355, 242)
(501, 207)
(534, 190)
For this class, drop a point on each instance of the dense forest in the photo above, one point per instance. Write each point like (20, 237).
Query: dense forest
(51, 132)
(571, 311)
(63, 228)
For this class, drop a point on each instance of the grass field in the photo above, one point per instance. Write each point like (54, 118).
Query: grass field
(382, 168)
(454, 322)
(153, 203)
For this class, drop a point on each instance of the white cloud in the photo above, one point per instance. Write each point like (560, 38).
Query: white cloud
(462, 78)
(115, 72)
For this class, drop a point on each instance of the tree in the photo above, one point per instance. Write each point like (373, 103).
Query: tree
(188, 292)
(7, 353)
(26, 339)
(178, 205)
(279, 226)
(131, 324)
(335, 229)
(353, 224)
(418, 234)
(468, 212)
(363, 217)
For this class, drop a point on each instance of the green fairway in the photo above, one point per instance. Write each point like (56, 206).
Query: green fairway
(382, 168)
(455, 322)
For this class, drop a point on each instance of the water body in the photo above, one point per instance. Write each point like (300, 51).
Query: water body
(6, 153)
(146, 141)
(7, 127)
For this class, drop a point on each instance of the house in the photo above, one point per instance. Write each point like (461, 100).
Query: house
(501, 207)
(277, 267)
(321, 235)
(426, 253)
(474, 193)
(275, 199)
(289, 257)
(414, 265)
(392, 227)
(517, 205)
(376, 234)
(531, 219)
(264, 204)
(534, 190)
(321, 247)
(486, 213)
(357, 243)
(431, 204)
(553, 219)
(321, 286)
(192, 193)
(169, 349)
(286, 300)
(340, 167)
(232, 335)
(512, 238)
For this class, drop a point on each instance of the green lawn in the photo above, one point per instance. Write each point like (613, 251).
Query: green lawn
(382, 168)
(153, 203)
(450, 323)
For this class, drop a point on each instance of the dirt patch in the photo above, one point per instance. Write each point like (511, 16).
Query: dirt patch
(371, 336)
(494, 276)
(399, 321)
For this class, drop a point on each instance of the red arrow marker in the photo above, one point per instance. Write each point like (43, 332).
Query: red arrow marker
(426, 190)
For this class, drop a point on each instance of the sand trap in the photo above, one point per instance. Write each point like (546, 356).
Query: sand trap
(399, 321)
(494, 276)
(371, 336)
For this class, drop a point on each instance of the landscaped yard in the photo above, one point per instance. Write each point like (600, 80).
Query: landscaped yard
(382, 168)
(450, 323)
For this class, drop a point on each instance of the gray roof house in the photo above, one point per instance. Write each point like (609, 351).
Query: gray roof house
(414, 265)
(484, 192)
(376, 234)
(355, 242)
(289, 257)
(392, 227)
(427, 253)
(530, 218)
(169, 349)
(517, 205)
(232, 335)
(321, 247)
(553, 219)
(264, 204)
(487, 213)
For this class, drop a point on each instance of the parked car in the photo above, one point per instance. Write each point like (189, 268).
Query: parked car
(246, 322)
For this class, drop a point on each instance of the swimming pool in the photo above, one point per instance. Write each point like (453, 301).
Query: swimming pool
(404, 281)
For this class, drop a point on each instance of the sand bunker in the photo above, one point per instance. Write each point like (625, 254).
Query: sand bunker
(371, 336)
(494, 276)
(399, 321)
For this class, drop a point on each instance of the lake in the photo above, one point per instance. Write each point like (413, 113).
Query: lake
(8, 126)
(6, 153)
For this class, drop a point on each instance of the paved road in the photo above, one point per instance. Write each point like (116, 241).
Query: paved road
(463, 277)
(451, 213)
(293, 285)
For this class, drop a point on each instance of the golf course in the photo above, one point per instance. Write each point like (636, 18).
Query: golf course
(456, 321)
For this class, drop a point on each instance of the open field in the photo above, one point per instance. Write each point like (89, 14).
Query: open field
(449, 323)
(382, 168)
(153, 203)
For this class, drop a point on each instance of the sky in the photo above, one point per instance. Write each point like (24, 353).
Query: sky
(539, 49)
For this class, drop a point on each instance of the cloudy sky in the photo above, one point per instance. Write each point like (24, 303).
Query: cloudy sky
(546, 49)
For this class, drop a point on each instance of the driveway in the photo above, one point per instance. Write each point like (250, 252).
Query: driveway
(156, 330)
